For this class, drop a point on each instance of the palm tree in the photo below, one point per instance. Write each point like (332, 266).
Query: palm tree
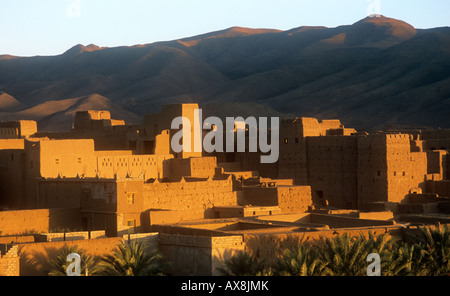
(244, 264)
(344, 255)
(58, 267)
(405, 260)
(436, 251)
(300, 261)
(132, 259)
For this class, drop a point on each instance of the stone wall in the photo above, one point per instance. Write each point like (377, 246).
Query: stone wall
(332, 170)
(193, 196)
(137, 201)
(69, 236)
(35, 257)
(9, 260)
(199, 255)
(18, 222)
(287, 198)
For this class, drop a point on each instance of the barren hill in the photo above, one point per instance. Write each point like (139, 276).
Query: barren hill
(59, 115)
(9, 103)
(378, 72)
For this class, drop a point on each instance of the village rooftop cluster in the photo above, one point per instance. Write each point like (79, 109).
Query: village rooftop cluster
(105, 181)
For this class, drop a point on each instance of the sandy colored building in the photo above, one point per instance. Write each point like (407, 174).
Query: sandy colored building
(126, 181)
(17, 129)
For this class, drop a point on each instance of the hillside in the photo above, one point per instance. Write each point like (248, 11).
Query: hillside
(59, 115)
(376, 73)
(9, 103)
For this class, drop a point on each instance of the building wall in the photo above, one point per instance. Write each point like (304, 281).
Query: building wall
(95, 120)
(12, 144)
(183, 195)
(437, 163)
(199, 255)
(12, 179)
(155, 124)
(96, 200)
(35, 257)
(9, 260)
(372, 169)
(19, 222)
(294, 151)
(17, 129)
(287, 198)
(294, 198)
(195, 167)
(441, 188)
(332, 170)
(111, 164)
(67, 158)
(195, 200)
(387, 169)
(406, 170)
(293, 162)
(43, 158)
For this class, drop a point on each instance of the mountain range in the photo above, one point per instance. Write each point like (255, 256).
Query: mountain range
(377, 73)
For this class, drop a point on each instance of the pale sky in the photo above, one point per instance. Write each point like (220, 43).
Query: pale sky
(50, 27)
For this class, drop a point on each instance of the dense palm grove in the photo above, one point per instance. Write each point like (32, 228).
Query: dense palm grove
(342, 255)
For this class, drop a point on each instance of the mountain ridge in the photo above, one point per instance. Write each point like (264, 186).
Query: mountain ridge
(371, 74)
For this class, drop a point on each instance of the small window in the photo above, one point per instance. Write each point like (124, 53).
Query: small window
(296, 141)
(378, 173)
(404, 174)
(131, 223)
(395, 174)
(130, 198)
(79, 159)
(57, 161)
(110, 198)
(286, 141)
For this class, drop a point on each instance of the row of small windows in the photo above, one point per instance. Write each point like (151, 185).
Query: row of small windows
(286, 141)
(126, 159)
(403, 174)
(57, 161)
(126, 164)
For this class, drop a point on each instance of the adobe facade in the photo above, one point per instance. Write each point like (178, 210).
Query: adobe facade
(126, 180)
(17, 129)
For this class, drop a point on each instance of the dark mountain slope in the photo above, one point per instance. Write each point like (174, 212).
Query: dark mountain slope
(377, 71)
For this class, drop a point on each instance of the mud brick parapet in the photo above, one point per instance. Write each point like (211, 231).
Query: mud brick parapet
(69, 236)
